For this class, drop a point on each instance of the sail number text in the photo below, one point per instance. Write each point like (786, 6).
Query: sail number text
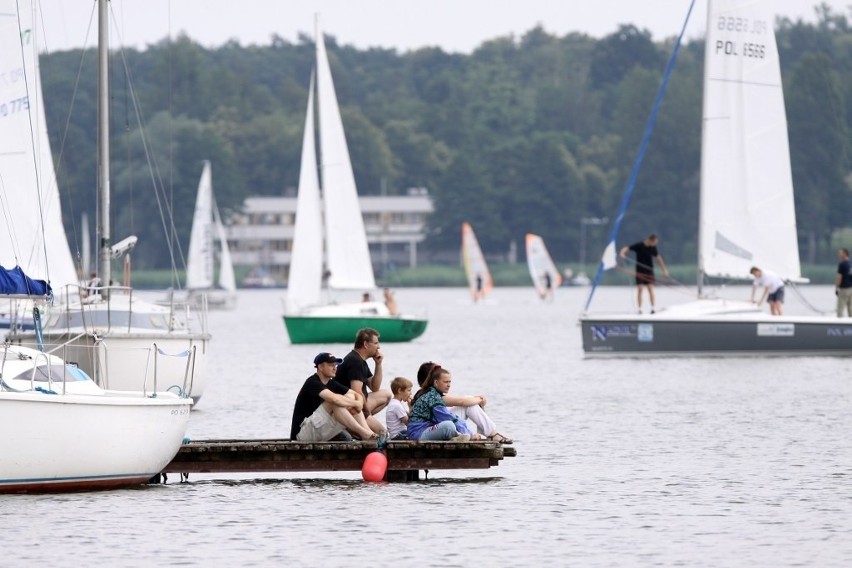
(15, 105)
(747, 49)
(733, 24)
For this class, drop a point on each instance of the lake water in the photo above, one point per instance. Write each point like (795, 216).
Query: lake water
(667, 462)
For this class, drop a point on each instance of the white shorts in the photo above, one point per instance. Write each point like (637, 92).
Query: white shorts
(319, 427)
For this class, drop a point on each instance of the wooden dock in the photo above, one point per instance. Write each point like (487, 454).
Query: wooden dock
(405, 458)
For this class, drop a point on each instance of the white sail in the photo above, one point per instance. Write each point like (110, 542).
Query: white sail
(540, 264)
(200, 262)
(475, 267)
(35, 222)
(227, 279)
(346, 240)
(306, 259)
(747, 208)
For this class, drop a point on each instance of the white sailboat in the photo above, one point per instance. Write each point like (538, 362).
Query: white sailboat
(329, 226)
(543, 271)
(109, 333)
(475, 268)
(62, 431)
(747, 211)
(207, 229)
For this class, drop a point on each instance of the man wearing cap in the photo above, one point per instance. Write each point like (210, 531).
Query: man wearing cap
(355, 374)
(325, 408)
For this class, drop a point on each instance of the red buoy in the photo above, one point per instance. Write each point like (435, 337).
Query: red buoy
(375, 465)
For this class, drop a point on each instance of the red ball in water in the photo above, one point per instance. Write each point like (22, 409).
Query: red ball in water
(375, 465)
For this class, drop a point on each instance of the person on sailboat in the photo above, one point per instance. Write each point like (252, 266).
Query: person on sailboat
(773, 289)
(478, 294)
(645, 251)
(547, 294)
(93, 285)
(355, 373)
(324, 408)
(466, 408)
(390, 302)
(843, 284)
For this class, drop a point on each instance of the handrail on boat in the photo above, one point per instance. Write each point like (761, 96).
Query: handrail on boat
(189, 373)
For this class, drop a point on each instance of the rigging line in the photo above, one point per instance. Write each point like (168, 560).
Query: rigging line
(813, 308)
(67, 129)
(643, 146)
(33, 136)
(163, 203)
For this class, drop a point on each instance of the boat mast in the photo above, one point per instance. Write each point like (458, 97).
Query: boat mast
(104, 268)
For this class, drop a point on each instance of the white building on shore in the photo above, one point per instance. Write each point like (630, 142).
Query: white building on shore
(261, 235)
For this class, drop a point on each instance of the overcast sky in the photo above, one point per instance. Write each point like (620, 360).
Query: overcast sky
(454, 25)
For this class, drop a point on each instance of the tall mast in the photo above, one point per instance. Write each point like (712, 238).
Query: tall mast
(104, 268)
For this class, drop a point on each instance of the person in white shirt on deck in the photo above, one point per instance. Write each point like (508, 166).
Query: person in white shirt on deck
(773, 289)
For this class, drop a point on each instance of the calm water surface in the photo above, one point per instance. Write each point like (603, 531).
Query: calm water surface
(669, 462)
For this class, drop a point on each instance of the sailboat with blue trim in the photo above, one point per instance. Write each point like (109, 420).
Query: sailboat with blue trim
(747, 213)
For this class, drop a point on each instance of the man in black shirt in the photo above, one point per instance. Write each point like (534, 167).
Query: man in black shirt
(843, 283)
(354, 373)
(325, 408)
(646, 252)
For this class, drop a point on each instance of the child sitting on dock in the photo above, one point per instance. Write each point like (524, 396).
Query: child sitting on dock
(430, 419)
(396, 414)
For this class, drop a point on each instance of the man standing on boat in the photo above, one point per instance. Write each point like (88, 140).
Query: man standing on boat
(646, 251)
(843, 284)
(354, 373)
(325, 408)
(773, 289)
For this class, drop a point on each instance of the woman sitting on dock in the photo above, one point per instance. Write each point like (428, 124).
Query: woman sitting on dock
(467, 408)
(430, 419)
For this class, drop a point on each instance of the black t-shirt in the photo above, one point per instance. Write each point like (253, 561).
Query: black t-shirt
(644, 257)
(843, 269)
(309, 399)
(354, 368)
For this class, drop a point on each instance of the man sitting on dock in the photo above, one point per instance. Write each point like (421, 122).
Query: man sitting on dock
(355, 374)
(325, 408)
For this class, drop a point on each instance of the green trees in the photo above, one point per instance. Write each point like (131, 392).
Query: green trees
(524, 134)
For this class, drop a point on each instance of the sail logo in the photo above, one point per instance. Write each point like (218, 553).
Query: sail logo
(604, 332)
(839, 331)
(776, 329)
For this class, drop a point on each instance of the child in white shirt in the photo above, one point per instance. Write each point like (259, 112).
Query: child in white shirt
(396, 414)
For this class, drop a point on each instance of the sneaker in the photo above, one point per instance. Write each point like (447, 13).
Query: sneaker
(653, 312)
(460, 438)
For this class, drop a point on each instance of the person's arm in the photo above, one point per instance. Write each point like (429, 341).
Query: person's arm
(358, 388)
(837, 279)
(623, 252)
(764, 295)
(469, 400)
(662, 264)
(376, 379)
(354, 403)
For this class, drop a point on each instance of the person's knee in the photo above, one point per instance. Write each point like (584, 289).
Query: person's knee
(447, 429)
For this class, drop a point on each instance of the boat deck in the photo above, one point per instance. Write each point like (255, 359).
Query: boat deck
(405, 458)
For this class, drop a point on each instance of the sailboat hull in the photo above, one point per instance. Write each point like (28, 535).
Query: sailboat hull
(342, 329)
(731, 334)
(66, 446)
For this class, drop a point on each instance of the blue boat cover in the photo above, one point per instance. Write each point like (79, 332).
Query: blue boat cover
(14, 281)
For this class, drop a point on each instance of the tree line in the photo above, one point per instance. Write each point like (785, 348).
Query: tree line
(524, 134)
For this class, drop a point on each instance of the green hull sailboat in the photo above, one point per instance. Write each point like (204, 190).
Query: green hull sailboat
(329, 239)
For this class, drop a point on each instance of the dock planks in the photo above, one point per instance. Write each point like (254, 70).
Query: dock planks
(405, 458)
